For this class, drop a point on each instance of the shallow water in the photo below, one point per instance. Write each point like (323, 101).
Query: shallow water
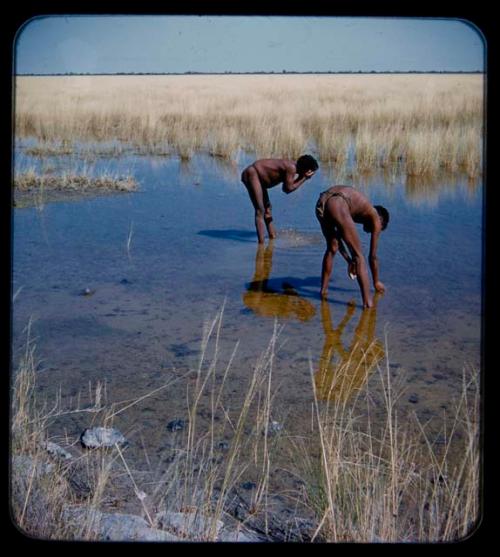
(161, 261)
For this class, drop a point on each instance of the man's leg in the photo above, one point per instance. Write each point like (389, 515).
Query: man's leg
(268, 216)
(255, 191)
(332, 247)
(351, 238)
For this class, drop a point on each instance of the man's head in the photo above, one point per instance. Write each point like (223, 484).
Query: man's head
(306, 163)
(383, 214)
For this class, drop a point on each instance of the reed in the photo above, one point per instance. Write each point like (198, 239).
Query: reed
(35, 186)
(39, 486)
(422, 123)
(201, 478)
(32, 180)
(44, 487)
(390, 481)
(370, 471)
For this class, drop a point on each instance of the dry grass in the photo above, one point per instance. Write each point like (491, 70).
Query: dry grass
(31, 180)
(201, 477)
(420, 123)
(366, 480)
(44, 487)
(392, 481)
(34, 187)
(38, 488)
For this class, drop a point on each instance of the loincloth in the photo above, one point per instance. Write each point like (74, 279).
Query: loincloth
(323, 199)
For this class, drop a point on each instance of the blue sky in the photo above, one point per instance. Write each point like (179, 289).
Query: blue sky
(108, 44)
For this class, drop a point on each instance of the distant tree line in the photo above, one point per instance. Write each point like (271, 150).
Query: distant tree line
(287, 72)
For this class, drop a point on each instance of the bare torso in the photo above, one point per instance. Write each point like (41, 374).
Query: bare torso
(264, 174)
(360, 208)
(271, 172)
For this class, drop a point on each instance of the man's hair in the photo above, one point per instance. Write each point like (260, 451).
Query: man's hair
(306, 162)
(384, 215)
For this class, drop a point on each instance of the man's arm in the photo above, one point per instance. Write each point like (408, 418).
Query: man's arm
(290, 183)
(373, 260)
(351, 266)
(343, 251)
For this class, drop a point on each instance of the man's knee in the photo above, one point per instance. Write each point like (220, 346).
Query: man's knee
(245, 177)
(260, 212)
(357, 257)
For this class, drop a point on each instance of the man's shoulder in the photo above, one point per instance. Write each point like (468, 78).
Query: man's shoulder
(339, 188)
(276, 161)
(276, 164)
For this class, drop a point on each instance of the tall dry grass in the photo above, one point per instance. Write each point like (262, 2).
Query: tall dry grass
(43, 485)
(388, 479)
(422, 123)
(38, 490)
(369, 471)
(199, 482)
(232, 442)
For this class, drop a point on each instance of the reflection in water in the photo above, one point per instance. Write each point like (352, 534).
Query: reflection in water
(231, 234)
(267, 302)
(198, 170)
(337, 378)
(227, 168)
(429, 189)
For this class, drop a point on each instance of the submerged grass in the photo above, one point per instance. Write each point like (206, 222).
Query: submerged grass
(34, 187)
(369, 472)
(32, 180)
(419, 123)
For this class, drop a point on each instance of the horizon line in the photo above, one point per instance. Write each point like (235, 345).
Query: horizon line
(227, 72)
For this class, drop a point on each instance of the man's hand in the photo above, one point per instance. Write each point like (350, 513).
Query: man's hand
(351, 270)
(379, 287)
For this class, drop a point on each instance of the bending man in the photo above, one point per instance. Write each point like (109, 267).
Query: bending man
(267, 173)
(338, 210)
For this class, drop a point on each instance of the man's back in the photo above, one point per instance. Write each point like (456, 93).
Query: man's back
(359, 204)
(273, 171)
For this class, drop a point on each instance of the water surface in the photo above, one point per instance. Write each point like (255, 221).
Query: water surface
(161, 261)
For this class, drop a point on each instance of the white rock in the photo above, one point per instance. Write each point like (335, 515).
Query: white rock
(26, 467)
(97, 437)
(115, 526)
(55, 450)
(189, 525)
(238, 536)
(273, 428)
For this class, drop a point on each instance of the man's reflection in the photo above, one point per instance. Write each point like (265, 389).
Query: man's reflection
(342, 371)
(268, 302)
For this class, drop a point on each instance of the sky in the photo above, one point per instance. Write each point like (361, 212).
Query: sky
(178, 44)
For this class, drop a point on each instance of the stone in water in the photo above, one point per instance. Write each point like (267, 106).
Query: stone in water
(175, 425)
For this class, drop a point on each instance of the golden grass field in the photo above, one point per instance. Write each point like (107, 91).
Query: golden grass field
(420, 124)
